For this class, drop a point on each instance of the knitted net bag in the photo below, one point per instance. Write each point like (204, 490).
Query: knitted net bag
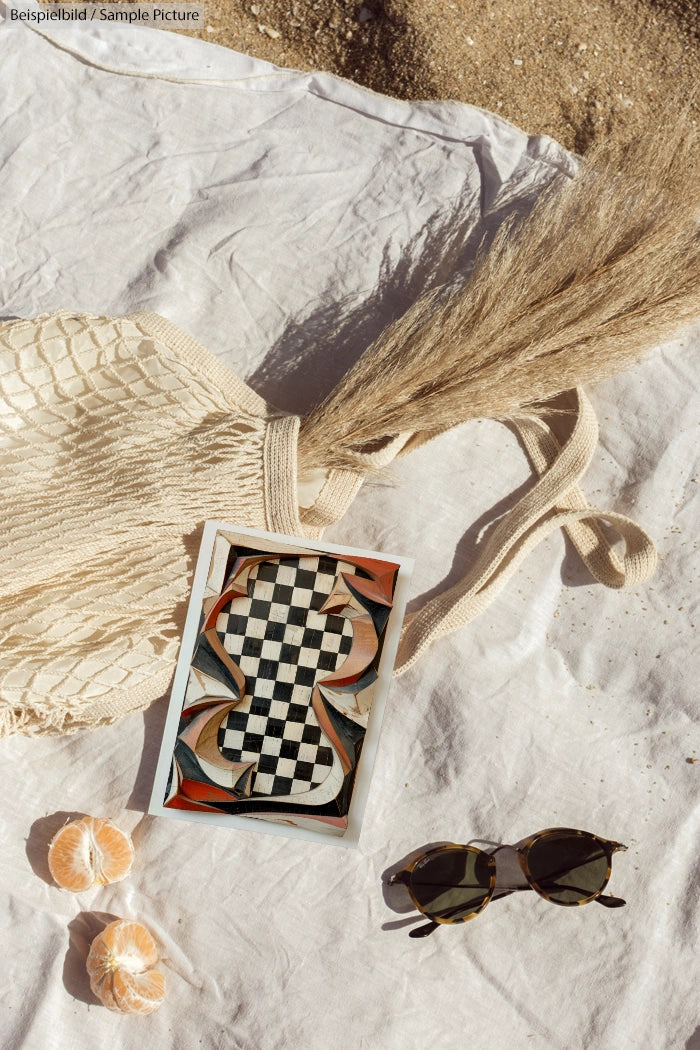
(120, 436)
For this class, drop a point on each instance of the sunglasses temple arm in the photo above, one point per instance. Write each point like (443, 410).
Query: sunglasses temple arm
(609, 901)
(507, 890)
(425, 930)
(404, 879)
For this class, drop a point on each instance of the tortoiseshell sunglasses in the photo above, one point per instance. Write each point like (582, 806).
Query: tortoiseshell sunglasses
(454, 883)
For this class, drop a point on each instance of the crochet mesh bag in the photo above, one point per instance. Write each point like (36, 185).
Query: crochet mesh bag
(118, 438)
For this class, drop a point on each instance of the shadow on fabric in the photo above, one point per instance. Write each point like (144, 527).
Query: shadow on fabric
(82, 931)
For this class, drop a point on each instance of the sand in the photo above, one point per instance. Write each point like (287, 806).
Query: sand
(573, 70)
(567, 68)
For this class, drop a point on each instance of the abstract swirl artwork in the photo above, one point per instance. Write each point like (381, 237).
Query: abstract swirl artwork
(280, 681)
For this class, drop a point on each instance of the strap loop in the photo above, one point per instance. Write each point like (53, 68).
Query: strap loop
(555, 501)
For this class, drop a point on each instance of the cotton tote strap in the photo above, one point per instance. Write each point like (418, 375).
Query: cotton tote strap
(555, 501)
(341, 488)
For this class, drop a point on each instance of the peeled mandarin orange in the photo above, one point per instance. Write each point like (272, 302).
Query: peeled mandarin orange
(89, 852)
(120, 965)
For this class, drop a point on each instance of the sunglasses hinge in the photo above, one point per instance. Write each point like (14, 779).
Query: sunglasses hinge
(400, 877)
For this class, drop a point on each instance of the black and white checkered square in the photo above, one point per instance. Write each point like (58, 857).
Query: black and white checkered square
(283, 645)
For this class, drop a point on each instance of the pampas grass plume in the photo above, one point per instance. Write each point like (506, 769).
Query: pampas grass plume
(605, 267)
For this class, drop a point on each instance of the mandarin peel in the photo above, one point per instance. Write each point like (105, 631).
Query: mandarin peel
(89, 852)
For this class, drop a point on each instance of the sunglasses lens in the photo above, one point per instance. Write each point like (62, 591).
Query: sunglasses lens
(451, 884)
(568, 868)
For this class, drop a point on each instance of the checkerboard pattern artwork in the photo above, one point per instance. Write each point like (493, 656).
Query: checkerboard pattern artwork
(283, 646)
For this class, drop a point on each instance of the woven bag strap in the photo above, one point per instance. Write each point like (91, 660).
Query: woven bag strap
(342, 486)
(555, 501)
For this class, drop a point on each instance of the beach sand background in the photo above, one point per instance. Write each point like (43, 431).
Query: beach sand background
(574, 70)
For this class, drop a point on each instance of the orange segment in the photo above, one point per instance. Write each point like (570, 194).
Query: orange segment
(120, 965)
(89, 852)
(128, 945)
(138, 993)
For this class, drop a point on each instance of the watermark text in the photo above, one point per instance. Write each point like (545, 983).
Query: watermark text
(163, 16)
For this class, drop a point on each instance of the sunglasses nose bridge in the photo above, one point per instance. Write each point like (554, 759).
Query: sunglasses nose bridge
(510, 868)
(521, 853)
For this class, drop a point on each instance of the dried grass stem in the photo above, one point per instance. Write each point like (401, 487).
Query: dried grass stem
(605, 267)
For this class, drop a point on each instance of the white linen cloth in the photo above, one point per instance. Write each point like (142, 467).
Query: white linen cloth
(282, 218)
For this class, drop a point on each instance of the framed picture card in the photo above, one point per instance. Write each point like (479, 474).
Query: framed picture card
(280, 686)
